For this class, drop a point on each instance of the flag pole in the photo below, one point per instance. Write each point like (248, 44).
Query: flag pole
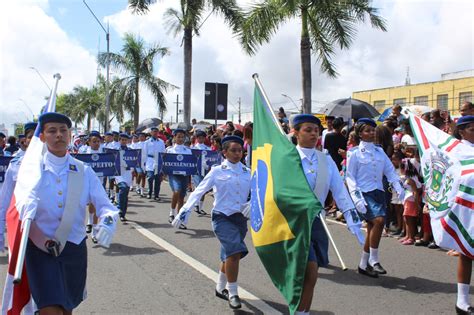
(326, 229)
(27, 223)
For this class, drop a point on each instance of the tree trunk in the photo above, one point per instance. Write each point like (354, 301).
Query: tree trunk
(136, 110)
(188, 63)
(89, 118)
(305, 52)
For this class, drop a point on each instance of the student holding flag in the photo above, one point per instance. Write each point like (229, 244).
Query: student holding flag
(322, 175)
(230, 182)
(56, 254)
(366, 165)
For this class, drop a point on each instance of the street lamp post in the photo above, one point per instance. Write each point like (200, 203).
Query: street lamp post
(107, 100)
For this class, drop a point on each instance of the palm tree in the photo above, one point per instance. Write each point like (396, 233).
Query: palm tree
(136, 64)
(81, 104)
(324, 24)
(188, 21)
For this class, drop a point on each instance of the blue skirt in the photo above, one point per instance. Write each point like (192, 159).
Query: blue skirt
(376, 206)
(318, 251)
(57, 281)
(230, 231)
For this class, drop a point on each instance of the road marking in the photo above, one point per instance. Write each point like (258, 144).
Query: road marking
(203, 269)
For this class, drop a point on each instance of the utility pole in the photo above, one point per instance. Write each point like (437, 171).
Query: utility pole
(240, 112)
(177, 106)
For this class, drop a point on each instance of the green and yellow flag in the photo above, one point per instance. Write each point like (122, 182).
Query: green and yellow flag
(283, 204)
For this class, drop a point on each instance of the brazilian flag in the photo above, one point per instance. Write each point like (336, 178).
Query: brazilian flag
(283, 204)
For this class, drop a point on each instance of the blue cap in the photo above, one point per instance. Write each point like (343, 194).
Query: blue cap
(108, 133)
(21, 136)
(135, 136)
(179, 130)
(2, 135)
(141, 134)
(115, 133)
(367, 121)
(30, 126)
(54, 117)
(199, 133)
(124, 135)
(302, 118)
(464, 120)
(153, 128)
(233, 139)
(94, 133)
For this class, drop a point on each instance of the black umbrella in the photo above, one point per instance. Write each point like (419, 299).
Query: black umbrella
(148, 123)
(349, 108)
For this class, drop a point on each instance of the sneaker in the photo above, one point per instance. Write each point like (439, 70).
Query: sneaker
(170, 219)
(157, 199)
(433, 245)
(182, 227)
(422, 243)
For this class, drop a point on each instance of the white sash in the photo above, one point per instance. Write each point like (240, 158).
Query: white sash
(321, 178)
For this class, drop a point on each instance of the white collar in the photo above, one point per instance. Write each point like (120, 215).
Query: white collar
(306, 153)
(367, 146)
(234, 167)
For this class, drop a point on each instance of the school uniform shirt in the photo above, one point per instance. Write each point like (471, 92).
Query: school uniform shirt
(366, 166)
(179, 149)
(51, 197)
(83, 149)
(201, 146)
(309, 161)
(151, 147)
(19, 153)
(231, 186)
(6, 191)
(125, 173)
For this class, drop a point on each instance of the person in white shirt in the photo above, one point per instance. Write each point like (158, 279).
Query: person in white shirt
(124, 181)
(329, 129)
(139, 171)
(323, 176)
(153, 147)
(199, 145)
(178, 183)
(230, 182)
(465, 130)
(9, 183)
(366, 166)
(56, 255)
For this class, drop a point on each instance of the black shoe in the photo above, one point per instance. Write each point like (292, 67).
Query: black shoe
(123, 219)
(182, 227)
(379, 269)
(470, 311)
(170, 219)
(422, 243)
(369, 271)
(432, 245)
(148, 197)
(88, 228)
(223, 295)
(94, 240)
(157, 199)
(234, 302)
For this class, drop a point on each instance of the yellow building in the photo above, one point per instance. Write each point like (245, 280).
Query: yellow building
(447, 94)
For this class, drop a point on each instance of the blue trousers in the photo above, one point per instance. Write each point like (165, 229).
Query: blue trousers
(154, 181)
(123, 198)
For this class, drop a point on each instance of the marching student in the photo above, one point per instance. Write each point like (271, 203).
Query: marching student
(56, 255)
(9, 182)
(110, 144)
(230, 182)
(153, 147)
(178, 183)
(139, 171)
(93, 147)
(366, 166)
(465, 130)
(124, 181)
(199, 145)
(323, 176)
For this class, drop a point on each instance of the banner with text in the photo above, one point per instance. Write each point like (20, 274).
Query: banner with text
(206, 159)
(103, 164)
(133, 157)
(178, 164)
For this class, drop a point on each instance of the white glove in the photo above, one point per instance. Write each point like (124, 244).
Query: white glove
(105, 230)
(354, 224)
(246, 210)
(181, 218)
(361, 206)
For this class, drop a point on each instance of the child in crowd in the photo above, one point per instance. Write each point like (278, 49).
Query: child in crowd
(396, 203)
(412, 202)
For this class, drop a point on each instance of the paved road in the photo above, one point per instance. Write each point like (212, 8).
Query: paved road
(152, 268)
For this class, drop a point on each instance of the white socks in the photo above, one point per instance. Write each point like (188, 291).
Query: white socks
(90, 219)
(221, 282)
(232, 287)
(173, 212)
(374, 256)
(463, 301)
(364, 260)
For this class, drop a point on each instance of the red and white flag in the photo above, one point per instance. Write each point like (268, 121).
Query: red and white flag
(447, 166)
(17, 297)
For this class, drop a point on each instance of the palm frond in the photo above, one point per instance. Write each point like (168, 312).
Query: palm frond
(140, 6)
(173, 22)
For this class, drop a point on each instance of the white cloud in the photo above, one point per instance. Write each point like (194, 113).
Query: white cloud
(31, 38)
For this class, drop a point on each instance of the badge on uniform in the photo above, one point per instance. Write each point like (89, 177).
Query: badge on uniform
(224, 167)
(73, 167)
(362, 150)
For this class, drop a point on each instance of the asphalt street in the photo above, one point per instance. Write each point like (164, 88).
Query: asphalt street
(152, 268)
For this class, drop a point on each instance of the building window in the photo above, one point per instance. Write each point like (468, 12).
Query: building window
(399, 101)
(465, 97)
(421, 100)
(442, 102)
(379, 104)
